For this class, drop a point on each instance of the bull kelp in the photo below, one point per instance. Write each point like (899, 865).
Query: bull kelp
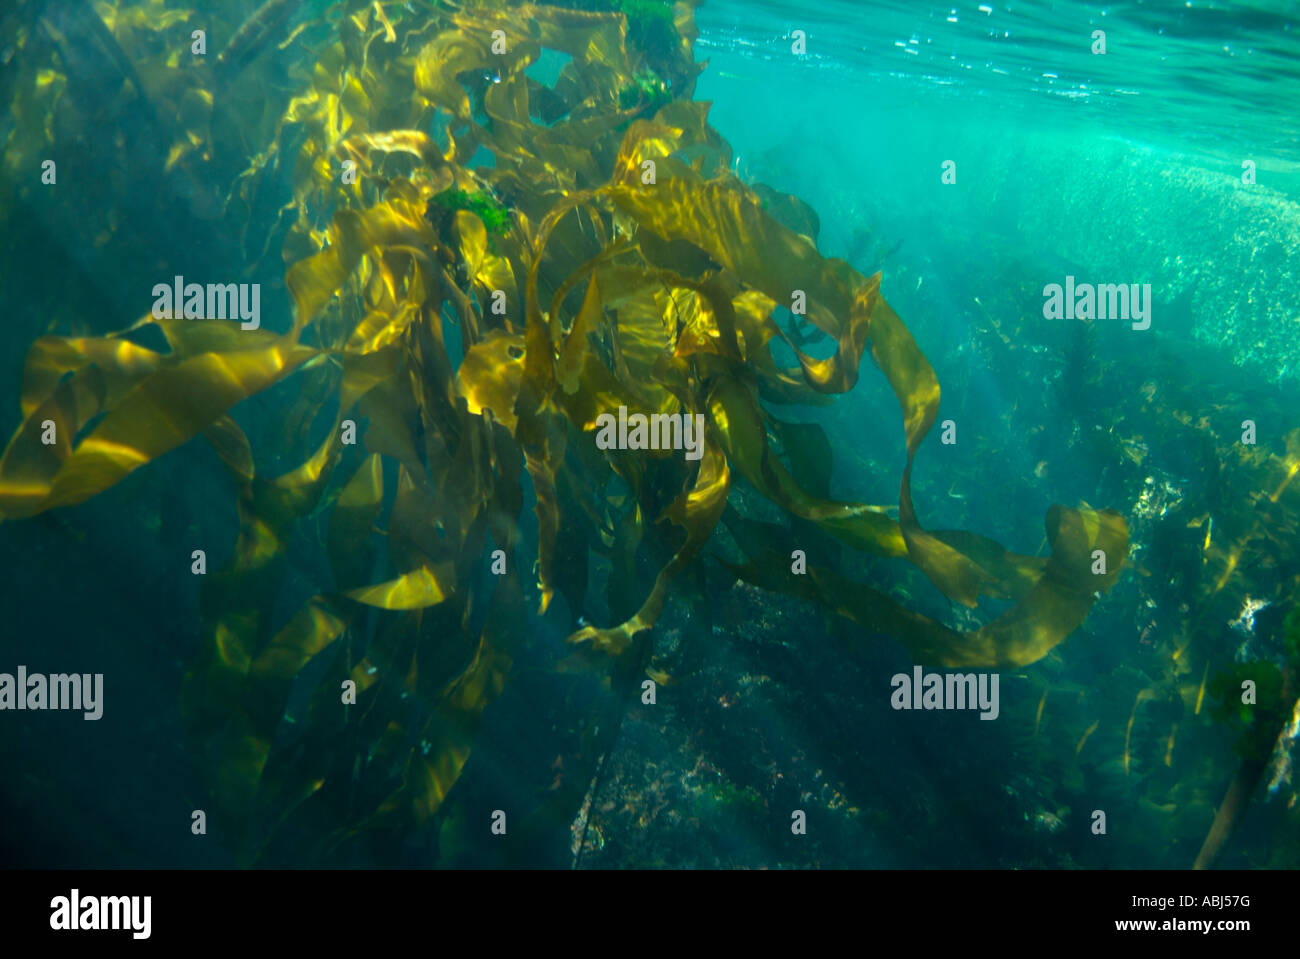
(480, 265)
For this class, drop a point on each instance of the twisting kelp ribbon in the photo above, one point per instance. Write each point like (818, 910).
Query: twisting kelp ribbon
(721, 218)
(576, 285)
(150, 404)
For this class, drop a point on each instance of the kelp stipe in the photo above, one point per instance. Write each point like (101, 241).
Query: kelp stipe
(1261, 702)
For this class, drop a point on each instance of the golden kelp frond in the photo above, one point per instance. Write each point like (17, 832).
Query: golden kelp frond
(696, 511)
(1044, 617)
(472, 323)
(162, 410)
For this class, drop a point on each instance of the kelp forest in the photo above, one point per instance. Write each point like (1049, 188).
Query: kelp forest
(406, 586)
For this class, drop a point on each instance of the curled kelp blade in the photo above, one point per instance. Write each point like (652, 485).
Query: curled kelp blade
(121, 363)
(697, 512)
(414, 590)
(1049, 612)
(161, 412)
(738, 421)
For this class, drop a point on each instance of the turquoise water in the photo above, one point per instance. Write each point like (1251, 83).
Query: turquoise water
(1115, 163)
(1123, 165)
(1219, 79)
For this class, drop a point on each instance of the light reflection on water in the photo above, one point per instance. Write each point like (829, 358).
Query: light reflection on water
(1191, 76)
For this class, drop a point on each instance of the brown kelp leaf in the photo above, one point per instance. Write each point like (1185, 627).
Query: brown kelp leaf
(737, 421)
(1012, 574)
(391, 409)
(160, 413)
(917, 389)
(314, 281)
(722, 218)
(1060, 600)
(789, 210)
(697, 511)
(417, 589)
(452, 730)
(380, 328)
(490, 374)
(601, 392)
(230, 443)
(1289, 466)
(309, 631)
(1046, 615)
(538, 460)
(414, 142)
(473, 240)
(190, 337)
(447, 55)
(351, 523)
(365, 370)
(538, 433)
(569, 366)
(121, 363)
(645, 141)
(29, 460)
(839, 373)
(282, 784)
(768, 548)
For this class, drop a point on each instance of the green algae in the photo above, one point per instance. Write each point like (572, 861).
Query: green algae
(646, 92)
(493, 213)
(1256, 723)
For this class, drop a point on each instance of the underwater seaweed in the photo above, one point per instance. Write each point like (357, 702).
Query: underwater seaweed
(606, 259)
